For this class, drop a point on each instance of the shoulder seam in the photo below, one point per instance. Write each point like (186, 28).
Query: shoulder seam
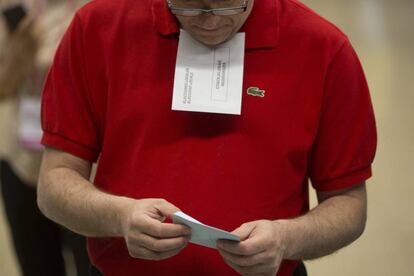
(328, 69)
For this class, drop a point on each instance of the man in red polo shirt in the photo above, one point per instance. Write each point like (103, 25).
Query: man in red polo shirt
(306, 115)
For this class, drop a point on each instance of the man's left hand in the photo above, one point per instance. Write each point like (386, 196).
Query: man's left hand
(260, 251)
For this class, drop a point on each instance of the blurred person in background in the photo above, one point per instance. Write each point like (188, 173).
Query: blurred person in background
(29, 34)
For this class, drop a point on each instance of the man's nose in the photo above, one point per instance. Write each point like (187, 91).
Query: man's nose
(210, 21)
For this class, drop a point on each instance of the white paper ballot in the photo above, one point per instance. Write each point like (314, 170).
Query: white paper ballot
(209, 79)
(202, 234)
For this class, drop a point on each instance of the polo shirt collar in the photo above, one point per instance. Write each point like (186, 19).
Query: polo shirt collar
(261, 28)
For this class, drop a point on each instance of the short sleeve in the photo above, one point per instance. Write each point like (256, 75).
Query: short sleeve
(345, 144)
(68, 120)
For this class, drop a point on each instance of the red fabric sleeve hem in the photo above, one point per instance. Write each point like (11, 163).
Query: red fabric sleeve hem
(343, 182)
(62, 143)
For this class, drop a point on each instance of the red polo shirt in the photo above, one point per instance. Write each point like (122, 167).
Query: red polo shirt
(109, 93)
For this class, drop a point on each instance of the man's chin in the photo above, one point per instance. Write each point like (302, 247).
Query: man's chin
(211, 41)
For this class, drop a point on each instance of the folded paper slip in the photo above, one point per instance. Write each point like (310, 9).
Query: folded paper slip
(203, 234)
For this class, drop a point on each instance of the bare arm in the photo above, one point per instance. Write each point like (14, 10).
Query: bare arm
(67, 197)
(338, 220)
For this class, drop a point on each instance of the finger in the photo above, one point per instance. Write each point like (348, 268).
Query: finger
(245, 261)
(244, 231)
(147, 254)
(166, 208)
(244, 248)
(252, 241)
(168, 254)
(158, 229)
(140, 252)
(160, 245)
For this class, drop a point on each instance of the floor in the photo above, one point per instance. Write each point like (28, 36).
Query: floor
(382, 34)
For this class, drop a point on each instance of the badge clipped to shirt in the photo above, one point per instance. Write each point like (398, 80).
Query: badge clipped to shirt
(209, 79)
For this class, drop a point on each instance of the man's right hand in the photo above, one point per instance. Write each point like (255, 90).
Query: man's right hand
(146, 234)
(66, 196)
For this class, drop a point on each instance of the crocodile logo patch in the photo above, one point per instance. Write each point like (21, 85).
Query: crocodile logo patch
(255, 91)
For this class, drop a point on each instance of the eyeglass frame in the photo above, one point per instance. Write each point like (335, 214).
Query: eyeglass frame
(198, 12)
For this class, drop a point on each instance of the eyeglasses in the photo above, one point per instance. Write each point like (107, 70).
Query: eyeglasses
(195, 12)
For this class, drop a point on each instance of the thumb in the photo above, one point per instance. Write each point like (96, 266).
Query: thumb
(244, 231)
(165, 208)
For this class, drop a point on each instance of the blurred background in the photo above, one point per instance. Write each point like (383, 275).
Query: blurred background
(382, 32)
(30, 244)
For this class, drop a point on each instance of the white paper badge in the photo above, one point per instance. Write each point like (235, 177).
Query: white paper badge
(209, 79)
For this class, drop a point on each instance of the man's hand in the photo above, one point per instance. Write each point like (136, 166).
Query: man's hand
(66, 196)
(335, 222)
(146, 235)
(260, 251)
